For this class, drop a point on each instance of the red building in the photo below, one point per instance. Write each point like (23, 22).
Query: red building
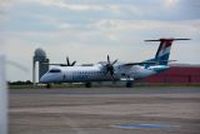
(179, 73)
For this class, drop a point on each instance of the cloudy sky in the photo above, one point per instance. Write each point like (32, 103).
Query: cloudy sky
(88, 30)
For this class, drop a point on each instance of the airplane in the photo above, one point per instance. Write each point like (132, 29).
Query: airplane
(112, 70)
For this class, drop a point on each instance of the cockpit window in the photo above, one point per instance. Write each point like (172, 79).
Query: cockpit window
(55, 71)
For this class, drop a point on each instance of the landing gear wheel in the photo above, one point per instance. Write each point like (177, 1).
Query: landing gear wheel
(88, 84)
(129, 84)
(48, 86)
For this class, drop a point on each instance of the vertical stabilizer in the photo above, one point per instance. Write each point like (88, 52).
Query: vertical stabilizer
(163, 52)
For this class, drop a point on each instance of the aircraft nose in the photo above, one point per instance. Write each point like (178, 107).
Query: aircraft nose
(44, 79)
(51, 78)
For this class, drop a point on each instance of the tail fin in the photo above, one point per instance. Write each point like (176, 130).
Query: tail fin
(163, 52)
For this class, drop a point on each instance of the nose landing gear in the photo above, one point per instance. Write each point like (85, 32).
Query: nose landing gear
(129, 84)
(88, 84)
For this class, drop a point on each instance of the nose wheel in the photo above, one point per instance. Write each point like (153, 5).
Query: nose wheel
(48, 86)
(88, 84)
(129, 84)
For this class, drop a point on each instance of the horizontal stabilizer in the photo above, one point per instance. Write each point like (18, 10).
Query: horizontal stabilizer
(168, 60)
(167, 39)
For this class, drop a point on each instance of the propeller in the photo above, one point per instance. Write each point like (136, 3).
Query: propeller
(68, 62)
(64, 65)
(109, 66)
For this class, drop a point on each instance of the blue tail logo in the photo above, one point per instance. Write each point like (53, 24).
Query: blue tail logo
(163, 52)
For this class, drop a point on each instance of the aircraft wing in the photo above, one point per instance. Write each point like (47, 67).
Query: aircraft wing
(145, 63)
(55, 64)
(140, 63)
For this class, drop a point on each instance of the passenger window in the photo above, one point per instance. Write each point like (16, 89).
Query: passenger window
(55, 71)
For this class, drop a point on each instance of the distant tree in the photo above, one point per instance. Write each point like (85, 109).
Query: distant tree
(27, 82)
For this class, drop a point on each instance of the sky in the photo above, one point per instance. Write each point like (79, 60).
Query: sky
(88, 30)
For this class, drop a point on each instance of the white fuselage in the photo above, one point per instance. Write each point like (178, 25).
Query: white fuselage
(97, 73)
(109, 71)
(76, 74)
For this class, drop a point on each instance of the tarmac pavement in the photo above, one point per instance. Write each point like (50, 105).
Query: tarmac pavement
(140, 110)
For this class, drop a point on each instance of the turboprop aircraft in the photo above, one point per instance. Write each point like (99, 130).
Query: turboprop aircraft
(112, 70)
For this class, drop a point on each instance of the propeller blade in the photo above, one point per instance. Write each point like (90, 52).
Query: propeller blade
(63, 65)
(73, 63)
(68, 63)
(107, 71)
(109, 66)
(108, 59)
(114, 61)
(111, 72)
